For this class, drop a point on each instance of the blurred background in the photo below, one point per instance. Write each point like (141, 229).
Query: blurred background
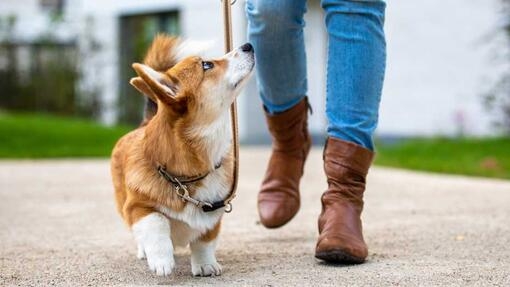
(65, 67)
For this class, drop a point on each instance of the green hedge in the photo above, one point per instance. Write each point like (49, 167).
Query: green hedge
(44, 136)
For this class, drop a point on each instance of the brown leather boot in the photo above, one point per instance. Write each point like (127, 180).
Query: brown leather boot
(340, 231)
(278, 199)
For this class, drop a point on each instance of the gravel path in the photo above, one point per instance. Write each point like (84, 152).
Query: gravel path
(58, 226)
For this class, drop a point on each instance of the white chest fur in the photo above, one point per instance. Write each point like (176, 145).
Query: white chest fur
(216, 136)
(192, 221)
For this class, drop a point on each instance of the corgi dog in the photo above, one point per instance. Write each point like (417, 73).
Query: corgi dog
(172, 176)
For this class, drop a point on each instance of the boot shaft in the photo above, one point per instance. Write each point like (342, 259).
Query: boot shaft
(289, 129)
(278, 200)
(346, 166)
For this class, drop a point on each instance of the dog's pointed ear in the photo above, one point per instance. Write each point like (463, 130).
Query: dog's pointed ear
(159, 83)
(143, 88)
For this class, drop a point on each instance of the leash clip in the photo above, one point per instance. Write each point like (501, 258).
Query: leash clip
(183, 192)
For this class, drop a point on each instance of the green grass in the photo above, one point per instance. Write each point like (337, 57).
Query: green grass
(44, 136)
(488, 157)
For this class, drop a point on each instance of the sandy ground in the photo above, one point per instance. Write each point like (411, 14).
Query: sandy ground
(58, 226)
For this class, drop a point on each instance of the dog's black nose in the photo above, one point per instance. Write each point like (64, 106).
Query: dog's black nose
(247, 47)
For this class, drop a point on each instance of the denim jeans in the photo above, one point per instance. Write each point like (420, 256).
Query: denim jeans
(356, 61)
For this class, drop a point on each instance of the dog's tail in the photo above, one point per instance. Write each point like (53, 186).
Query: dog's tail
(163, 52)
(161, 56)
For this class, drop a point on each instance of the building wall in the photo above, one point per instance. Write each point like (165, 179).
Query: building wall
(440, 58)
(199, 20)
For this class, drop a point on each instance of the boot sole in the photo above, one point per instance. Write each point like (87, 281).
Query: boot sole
(338, 256)
(273, 225)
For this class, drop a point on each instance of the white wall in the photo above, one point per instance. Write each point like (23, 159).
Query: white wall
(199, 20)
(440, 61)
(439, 57)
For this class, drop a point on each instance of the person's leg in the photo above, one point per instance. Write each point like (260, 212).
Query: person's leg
(275, 29)
(356, 64)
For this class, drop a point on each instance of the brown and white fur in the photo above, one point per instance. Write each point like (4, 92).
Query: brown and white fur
(189, 134)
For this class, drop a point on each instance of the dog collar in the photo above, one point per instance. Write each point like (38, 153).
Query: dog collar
(181, 189)
(183, 179)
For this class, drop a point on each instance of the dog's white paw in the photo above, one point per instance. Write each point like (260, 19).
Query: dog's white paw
(152, 234)
(206, 269)
(203, 261)
(160, 260)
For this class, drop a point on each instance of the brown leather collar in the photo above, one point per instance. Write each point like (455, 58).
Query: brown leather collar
(181, 189)
(184, 179)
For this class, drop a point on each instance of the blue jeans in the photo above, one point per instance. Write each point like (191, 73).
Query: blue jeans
(356, 61)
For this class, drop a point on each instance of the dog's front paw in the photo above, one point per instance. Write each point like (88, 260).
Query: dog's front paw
(160, 260)
(159, 254)
(206, 269)
(154, 243)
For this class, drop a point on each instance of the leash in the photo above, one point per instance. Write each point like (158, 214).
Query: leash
(227, 26)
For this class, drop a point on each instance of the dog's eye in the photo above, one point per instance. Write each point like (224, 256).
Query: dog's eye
(207, 65)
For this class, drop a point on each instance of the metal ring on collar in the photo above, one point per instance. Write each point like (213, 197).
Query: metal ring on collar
(228, 207)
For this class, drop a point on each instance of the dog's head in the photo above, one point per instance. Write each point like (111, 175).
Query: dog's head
(196, 87)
